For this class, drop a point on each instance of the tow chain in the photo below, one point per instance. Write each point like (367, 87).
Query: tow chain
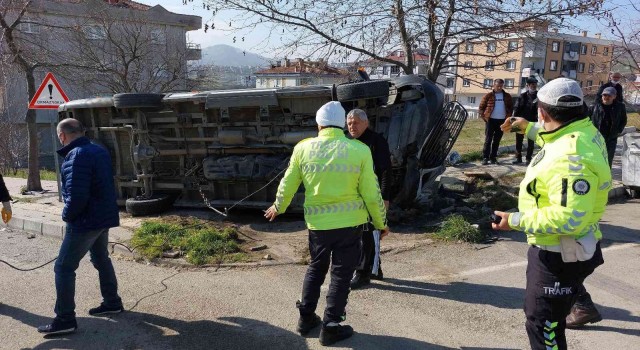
(206, 201)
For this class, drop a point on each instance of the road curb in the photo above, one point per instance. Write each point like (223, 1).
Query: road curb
(56, 230)
(53, 230)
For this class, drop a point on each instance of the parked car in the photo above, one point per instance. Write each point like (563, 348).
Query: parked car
(217, 148)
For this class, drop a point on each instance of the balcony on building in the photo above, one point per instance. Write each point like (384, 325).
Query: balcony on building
(571, 50)
(194, 52)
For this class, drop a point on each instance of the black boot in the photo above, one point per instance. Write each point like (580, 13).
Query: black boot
(379, 276)
(518, 159)
(360, 280)
(307, 323)
(334, 332)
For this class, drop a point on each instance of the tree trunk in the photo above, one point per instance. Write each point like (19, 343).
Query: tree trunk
(33, 178)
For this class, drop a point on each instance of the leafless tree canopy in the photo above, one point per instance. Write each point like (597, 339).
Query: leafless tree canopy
(126, 54)
(624, 23)
(104, 50)
(348, 30)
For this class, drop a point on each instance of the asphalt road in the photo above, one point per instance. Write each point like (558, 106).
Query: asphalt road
(437, 296)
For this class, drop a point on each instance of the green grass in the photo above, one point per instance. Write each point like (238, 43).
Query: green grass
(202, 244)
(456, 228)
(471, 138)
(633, 119)
(22, 174)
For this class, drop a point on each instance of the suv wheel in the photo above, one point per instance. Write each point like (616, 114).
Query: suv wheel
(154, 205)
(362, 90)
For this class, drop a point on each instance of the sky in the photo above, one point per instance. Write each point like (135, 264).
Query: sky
(253, 41)
(256, 41)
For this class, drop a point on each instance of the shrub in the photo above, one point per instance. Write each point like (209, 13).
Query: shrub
(456, 228)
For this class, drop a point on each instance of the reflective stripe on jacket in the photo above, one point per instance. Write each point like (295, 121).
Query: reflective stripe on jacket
(341, 189)
(566, 187)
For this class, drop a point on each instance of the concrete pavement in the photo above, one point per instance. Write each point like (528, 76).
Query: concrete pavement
(438, 296)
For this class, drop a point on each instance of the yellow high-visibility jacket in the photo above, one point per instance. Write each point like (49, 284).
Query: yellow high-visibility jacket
(566, 187)
(341, 189)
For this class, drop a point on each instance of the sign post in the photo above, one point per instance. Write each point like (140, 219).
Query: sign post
(50, 96)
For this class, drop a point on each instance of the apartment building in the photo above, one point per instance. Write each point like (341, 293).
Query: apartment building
(385, 70)
(536, 51)
(299, 73)
(108, 34)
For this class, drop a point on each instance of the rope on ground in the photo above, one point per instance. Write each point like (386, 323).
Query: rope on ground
(156, 293)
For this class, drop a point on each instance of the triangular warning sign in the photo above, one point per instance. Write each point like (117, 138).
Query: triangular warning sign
(49, 95)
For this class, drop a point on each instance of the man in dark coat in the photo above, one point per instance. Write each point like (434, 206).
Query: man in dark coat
(527, 108)
(90, 209)
(5, 198)
(358, 128)
(610, 117)
(614, 83)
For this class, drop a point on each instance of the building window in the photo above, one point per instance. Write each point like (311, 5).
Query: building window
(581, 67)
(508, 83)
(95, 32)
(471, 100)
(491, 46)
(488, 83)
(489, 65)
(605, 51)
(158, 37)
(583, 49)
(467, 65)
(589, 83)
(553, 65)
(385, 70)
(449, 82)
(555, 46)
(594, 50)
(511, 65)
(395, 69)
(466, 82)
(29, 27)
(513, 46)
(469, 48)
(592, 67)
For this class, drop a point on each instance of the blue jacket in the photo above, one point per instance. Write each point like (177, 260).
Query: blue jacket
(88, 189)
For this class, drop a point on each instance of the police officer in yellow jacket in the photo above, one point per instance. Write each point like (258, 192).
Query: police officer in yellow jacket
(341, 193)
(562, 198)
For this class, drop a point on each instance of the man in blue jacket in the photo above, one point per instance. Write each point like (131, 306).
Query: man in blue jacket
(90, 209)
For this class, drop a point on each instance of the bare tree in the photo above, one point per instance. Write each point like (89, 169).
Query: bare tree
(368, 28)
(125, 52)
(16, 52)
(624, 23)
(99, 53)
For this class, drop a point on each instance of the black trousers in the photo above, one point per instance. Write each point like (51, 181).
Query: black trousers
(552, 288)
(519, 144)
(368, 254)
(492, 137)
(339, 248)
(611, 150)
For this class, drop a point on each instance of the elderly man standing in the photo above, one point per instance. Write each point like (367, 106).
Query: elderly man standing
(614, 82)
(494, 108)
(341, 192)
(90, 209)
(610, 117)
(358, 128)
